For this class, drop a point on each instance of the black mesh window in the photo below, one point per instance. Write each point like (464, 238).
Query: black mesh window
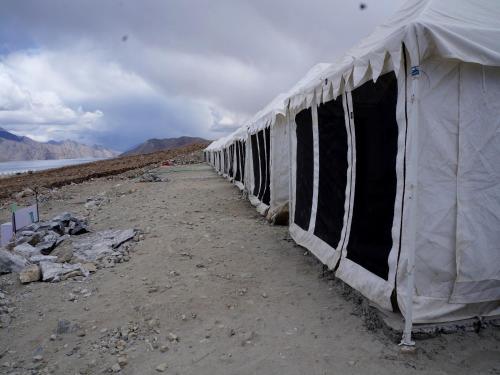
(305, 171)
(376, 132)
(262, 154)
(231, 164)
(255, 163)
(267, 193)
(332, 172)
(243, 158)
(237, 175)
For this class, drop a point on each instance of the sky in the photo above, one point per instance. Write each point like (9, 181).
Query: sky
(117, 72)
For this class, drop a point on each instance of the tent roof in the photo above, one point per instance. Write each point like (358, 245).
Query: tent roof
(267, 116)
(465, 30)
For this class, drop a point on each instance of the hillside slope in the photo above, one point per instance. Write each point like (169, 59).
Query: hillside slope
(15, 148)
(154, 145)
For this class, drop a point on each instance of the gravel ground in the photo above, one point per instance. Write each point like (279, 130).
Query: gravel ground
(211, 288)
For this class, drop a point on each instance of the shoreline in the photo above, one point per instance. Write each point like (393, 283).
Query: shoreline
(78, 173)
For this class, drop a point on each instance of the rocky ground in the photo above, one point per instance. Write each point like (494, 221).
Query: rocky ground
(209, 288)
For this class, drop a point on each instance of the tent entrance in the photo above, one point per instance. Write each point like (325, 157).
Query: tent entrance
(255, 164)
(305, 169)
(376, 137)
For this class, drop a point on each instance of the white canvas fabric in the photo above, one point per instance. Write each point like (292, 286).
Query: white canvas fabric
(279, 163)
(464, 30)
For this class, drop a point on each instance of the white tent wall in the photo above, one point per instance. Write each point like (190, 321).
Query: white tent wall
(457, 213)
(279, 162)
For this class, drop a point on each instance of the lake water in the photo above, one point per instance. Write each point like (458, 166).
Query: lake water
(12, 167)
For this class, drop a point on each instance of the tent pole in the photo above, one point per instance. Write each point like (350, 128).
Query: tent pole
(406, 340)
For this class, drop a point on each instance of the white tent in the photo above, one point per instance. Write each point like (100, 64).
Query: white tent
(268, 139)
(395, 163)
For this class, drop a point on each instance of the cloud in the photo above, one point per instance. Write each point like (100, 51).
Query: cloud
(119, 72)
(23, 108)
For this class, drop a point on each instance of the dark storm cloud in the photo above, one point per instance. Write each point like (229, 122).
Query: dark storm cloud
(203, 65)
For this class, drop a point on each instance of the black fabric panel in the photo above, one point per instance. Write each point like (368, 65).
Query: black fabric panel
(225, 161)
(332, 172)
(305, 169)
(243, 160)
(376, 130)
(231, 164)
(267, 192)
(237, 175)
(262, 153)
(226, 164)
(255, 162)
(232, 161)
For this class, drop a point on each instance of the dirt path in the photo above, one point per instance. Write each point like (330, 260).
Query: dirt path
(212, 289)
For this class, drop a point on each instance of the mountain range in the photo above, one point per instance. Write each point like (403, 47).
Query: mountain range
(153, 145)
(16, 148)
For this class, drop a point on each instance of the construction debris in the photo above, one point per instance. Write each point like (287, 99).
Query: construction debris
(97, 246)
(61, 271)
(35, 254)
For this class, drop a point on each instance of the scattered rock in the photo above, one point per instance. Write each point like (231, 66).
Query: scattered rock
(29, 274)
(26, 250)
(10, 262)
(150, 177)
(91, 267)
(96, 202)
(98, 245)
(161, 367)
(55, 271)
(36, 259)
(173, 337)
(116, 368)
(247, 338)
(122, 361)
(63, 253)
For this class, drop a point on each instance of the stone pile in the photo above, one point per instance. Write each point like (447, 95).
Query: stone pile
(150, 177)
(49, 251)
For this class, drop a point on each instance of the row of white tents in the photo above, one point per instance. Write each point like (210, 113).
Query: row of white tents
(389, 162)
